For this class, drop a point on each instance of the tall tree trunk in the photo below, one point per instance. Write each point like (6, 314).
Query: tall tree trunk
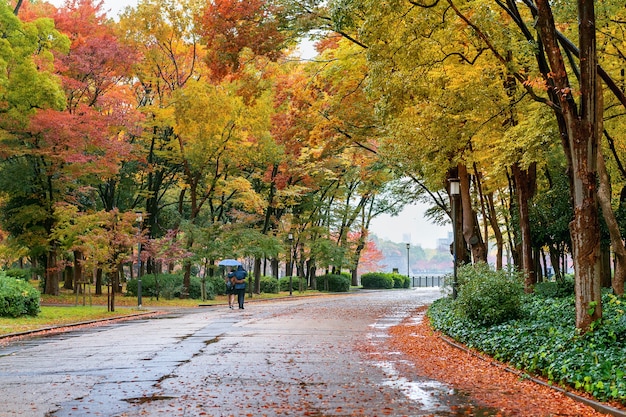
(579, 135)
(497, 233)
(52, 272)
(604, 197)
(524, 182)
(471, 230)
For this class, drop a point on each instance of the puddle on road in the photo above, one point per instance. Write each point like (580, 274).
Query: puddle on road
(434, 397)
(425, 392)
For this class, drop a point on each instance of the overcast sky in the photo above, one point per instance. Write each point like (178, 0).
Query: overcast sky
(115, 6)
(410, 226)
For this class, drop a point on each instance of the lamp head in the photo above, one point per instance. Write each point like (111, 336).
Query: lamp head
(455, 186)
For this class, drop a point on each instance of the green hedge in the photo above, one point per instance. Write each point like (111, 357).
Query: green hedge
(334, 283)
(18, 298)
(17, 273)
(269, 285)
(384, 280)
(295, 282)
(167, 286)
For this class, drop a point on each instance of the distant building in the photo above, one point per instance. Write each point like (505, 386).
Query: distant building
(444, 243)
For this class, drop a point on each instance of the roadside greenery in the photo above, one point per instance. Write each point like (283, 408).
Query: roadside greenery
(384, 280)
(17, 298)
(543, 340)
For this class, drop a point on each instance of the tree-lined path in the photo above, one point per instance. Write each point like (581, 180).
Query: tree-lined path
(309, 356)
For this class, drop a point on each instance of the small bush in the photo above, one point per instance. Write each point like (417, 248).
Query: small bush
(296, 282)
(269, 285)
(489, 297)
(18, 298)
(401, 281)
(18, 273)
(334, 283)
(167, 286)
(556, 289)
(216, 285)
(377, 280)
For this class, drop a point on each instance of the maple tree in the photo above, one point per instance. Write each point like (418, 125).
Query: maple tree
(227, 27)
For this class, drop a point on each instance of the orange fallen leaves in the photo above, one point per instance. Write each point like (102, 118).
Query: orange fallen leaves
(488, 384)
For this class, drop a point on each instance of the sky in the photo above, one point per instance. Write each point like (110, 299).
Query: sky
(114, 6)
(409, 226)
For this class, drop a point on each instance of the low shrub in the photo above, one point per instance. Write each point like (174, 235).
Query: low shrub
(17, 273)
(269, 285)
(377, 280)
(487, 296)
(297, 284)
(556, 289)
(334, 282)
(18, 298)
(216, 286)
(167, 286)
(401, 281)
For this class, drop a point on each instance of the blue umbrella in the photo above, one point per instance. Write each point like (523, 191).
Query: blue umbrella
(229, 262)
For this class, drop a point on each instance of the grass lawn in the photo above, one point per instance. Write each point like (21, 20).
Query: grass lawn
(67, 308)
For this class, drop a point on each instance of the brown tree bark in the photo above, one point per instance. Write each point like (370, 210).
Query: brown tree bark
(580, 143)
(604, 197)
(493, 220)
(524, 182)
(471, 231)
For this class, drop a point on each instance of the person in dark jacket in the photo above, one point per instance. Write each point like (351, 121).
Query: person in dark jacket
(240, 284)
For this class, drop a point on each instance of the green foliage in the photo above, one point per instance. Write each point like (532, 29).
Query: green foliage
(489, 297)
(334, 282)
(384, 280)
(545, 342)
(401, 281)
(269, 285)
(215, 286)
(17, 273)
(18, 298)
(556, 289)
(296, 282)
(168, 286)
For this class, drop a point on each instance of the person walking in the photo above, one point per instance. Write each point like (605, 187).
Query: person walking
(230, 289)
(240, 285)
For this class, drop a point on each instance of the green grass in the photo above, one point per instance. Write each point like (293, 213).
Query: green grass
(59, 316)
(66, 309)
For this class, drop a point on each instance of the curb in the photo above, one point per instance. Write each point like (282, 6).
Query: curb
(78, 324)
(600, 407)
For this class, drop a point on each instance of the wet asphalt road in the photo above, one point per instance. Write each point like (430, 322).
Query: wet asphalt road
(300, 357)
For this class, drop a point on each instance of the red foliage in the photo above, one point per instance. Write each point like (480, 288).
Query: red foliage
(370, 258)
(97, 60)
(488, 382)
(228, 26)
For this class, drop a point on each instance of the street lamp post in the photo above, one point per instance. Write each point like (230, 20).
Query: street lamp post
(455, 191)
(290, 238)
(140, 221)
(408, 270)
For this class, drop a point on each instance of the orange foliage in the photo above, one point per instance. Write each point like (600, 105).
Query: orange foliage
(229, 26)
(488, 382)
